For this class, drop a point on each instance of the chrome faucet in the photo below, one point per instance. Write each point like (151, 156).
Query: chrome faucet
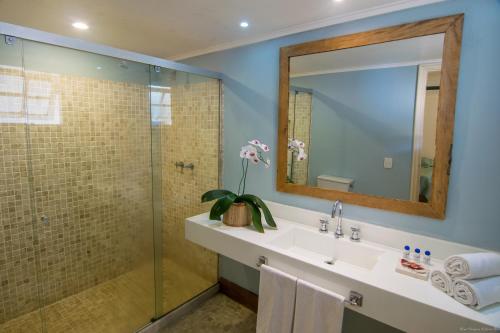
(337, 210)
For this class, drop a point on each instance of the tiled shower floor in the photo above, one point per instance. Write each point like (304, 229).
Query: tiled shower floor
(123, 304)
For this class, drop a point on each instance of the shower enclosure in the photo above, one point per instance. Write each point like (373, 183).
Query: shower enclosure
(101, 160)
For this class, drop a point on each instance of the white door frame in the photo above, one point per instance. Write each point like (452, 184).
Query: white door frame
(418, 125)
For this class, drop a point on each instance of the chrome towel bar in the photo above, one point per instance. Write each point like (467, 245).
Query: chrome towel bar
(354, 298)
(261, 260)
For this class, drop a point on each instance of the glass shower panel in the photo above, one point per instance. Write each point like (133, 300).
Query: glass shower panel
(185, 112)
(19, 301)
(89, 136)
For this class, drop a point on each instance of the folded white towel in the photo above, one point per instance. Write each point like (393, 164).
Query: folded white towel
(442, 281)
(317, 310)
(477, 293)
(473, 265)
(276, 301)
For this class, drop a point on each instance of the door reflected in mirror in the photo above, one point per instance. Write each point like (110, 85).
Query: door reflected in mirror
(363, 119)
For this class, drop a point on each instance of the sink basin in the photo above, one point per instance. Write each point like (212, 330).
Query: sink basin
(316, 246)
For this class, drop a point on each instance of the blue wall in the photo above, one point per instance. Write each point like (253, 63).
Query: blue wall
(358, 118)
(473, 214)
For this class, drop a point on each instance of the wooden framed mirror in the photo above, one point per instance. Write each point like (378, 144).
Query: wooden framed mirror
(368, 118)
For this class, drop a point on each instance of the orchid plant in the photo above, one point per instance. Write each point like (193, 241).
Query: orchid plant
(298, 147)
(254, 152)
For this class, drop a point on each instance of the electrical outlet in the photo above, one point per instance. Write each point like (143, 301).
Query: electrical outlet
(388, 162)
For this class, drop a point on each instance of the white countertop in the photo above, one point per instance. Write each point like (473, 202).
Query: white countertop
(382, 277)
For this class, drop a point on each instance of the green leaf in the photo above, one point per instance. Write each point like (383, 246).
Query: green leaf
(220, 207)
(256, 215)
(215, 194)
(259, 203)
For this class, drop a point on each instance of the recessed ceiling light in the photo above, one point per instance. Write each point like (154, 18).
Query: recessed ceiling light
(80, 25)
(244, 24)
(338, 0)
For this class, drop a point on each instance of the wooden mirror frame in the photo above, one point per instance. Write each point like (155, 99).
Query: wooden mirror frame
(451, 26)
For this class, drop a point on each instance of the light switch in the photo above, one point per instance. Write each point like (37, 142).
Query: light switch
(388, 162)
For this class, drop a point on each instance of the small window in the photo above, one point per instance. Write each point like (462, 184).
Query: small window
(42, 99)
(161, 105)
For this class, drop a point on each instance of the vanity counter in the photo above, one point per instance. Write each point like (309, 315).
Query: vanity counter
(404, 302)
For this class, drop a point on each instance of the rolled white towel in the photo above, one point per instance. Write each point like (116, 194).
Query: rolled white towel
(473, 265)
(477, 293)
(442, 281)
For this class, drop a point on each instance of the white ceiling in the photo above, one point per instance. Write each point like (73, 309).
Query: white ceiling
(178, 29)
(414, 51)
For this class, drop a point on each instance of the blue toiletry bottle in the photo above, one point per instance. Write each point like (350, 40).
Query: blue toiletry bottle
(406, 252)
(416, 255)
(427, 257)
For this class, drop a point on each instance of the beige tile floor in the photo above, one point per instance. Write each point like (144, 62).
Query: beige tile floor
(219, 314)
(123, 304)
(120, 305)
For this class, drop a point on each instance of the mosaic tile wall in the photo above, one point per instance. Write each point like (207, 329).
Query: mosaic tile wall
(18, 289)
(195, 132)
(91, 163)
(299, 124)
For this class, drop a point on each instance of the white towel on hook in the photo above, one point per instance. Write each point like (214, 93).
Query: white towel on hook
(276, 301)
(477, 293)
(317, 310)
(442, 281)
(473, 265)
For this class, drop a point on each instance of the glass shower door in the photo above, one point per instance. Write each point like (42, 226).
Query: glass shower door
(90, 148)
(101, 161)
(185, 112)
(19, 293)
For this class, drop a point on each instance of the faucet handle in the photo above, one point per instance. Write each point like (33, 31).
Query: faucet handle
(355, 233)
(323, 225)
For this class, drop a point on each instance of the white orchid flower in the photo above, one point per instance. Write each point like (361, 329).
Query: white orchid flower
(264, 147)
(259, 144)
(253, 152)
(248, 151)
(297, 146)
(254, 142)
(302, 155)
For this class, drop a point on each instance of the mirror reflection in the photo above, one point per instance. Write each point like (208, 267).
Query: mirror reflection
(364, 119)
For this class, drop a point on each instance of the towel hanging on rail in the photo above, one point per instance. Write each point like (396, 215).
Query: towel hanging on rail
(276, 301)
(317, 310)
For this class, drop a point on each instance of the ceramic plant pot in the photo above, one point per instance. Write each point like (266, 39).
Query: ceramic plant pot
(238, 215)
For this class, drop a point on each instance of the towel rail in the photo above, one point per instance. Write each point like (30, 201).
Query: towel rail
(261, 260)
(354, 298)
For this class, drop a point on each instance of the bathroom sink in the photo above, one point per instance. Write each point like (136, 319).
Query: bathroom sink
(325, 247)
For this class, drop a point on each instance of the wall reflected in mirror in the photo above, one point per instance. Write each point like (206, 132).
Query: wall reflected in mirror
(363, 119)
